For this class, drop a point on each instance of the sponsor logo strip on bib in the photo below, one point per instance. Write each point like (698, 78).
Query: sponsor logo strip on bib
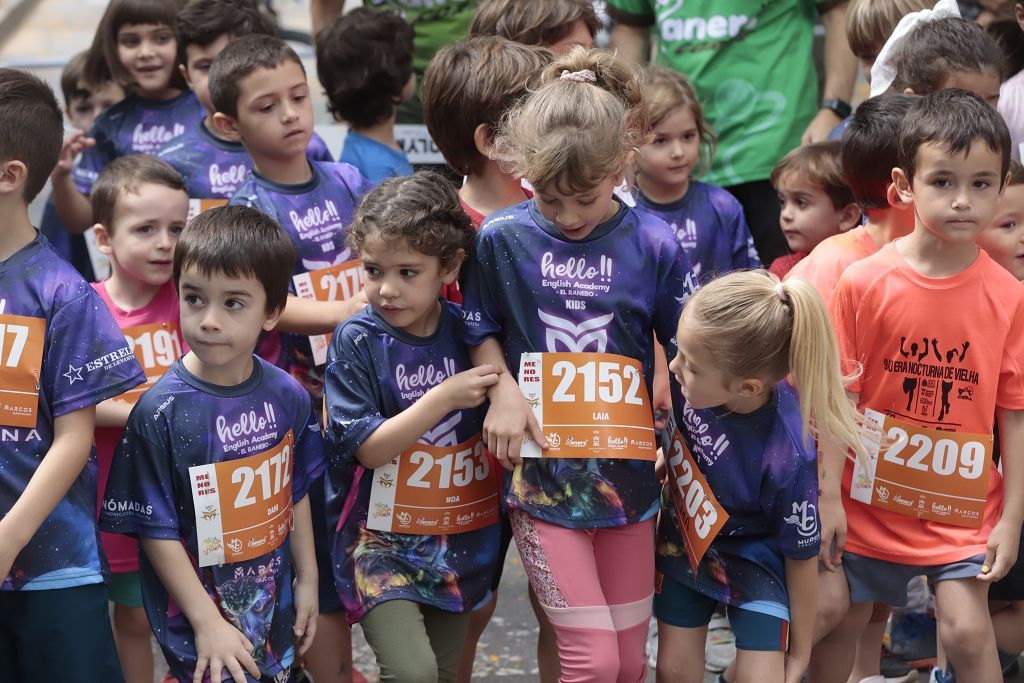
(698, 513)
(156, 347)
(925, 473)
(589, 405)
(436, 490)
(337, 283)
(21, 359)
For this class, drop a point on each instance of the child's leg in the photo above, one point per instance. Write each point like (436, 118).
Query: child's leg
(966, 631)
(132, 633)
(1008, 623)
(478, 620)
(548, 667)
(869, 645)
(329, 659)
(680, 653)
(837, 627)
(447, 634)
(398, 636)
(761, 644)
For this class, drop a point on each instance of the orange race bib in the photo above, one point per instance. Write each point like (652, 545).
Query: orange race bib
(21, 360)
(435, 490)
(698, 512)
(590, 405)
(244, 506)
(926, 473)
(156, 347)
(197, 206)
(337, 283)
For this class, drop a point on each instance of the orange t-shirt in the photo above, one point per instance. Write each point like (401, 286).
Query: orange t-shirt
(940, 353)
(830, 258)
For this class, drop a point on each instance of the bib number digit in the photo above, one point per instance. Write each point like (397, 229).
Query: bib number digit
(946, 455)
(20, 334)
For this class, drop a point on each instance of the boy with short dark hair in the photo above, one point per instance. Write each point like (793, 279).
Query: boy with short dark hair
(364, 60)
(558, 25)
(60, 355)
(215, 464)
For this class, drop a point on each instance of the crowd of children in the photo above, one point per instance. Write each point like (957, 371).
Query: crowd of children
(307, 394)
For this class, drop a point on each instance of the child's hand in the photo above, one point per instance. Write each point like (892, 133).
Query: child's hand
(350, 307)
(69, 151)
(508, 421)
(220, 646)
(1003, 545)
(468, 389)
(306, 611)
(660, 468)
(833, 532)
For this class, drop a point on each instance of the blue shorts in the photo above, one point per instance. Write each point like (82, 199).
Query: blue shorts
(678, 605)
(323, 536)
(873, 580)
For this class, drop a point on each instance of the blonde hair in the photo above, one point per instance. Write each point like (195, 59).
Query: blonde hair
(665, 91)
(869, 23)
(574, 132)
(758, 326)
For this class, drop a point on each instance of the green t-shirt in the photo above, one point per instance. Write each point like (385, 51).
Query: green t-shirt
(752, 66)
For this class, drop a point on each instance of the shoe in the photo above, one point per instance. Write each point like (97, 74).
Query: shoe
(720, 648)
(1010, 664)
(941, 676)
(912, 637)
(894, 667)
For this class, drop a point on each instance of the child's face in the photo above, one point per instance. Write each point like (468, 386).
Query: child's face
(578, 35)
(141, 237)
(196, 68)
(577, 214)
(149, 54)
(669, 160)
(985, 84)
(1004, 238)
(808, 216)
(82, 111)
(403, 284)
(703, 383)
(275, 113)
(954, 197)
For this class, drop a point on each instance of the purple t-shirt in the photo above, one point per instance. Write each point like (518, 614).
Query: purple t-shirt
(534, 290)
(85, 360)
(135, 125)
(215, 169)
(183, 422)
(368, 366)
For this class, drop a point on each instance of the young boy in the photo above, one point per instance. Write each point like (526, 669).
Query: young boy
(364, 60)
(558, 25)
(1004, 238)
(60, 354)
(932, 505)
(212, 166)
(215, 464)
(140, 206)
(816, 201)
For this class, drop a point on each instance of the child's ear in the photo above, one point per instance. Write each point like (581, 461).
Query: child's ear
(227, 127)
(450, 274)
(909, 91)
(482, 139)
(901, 184)
(184, 74)
(271, 320)
(13, 175)
(849, 217)
(99, 231)
(750, 387)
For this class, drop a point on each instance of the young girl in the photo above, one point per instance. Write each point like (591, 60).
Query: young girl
(572, 270)
(708, 221)
(135, 45)
(743, 475)
(402, 413)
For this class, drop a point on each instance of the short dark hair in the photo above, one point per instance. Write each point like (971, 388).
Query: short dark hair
(954, 120)
(474, 82)
(925, 57)
(423, 210)
(238, 60)
(201, 22)
(869, 147)
(238, 241)
(72, 79)
(532, 23)
(126, 174)
(820, 164)
(103, 63)
(31, 127)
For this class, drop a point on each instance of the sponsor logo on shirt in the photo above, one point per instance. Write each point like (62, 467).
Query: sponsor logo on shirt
(413, 384)
(804, 518)
(124, 508)
(715, 27)
(576, 278)
(147, 140)
(311, 223)
(250, 432)
(708, 449)
(229, 179)
(566, 335)
(16, 435)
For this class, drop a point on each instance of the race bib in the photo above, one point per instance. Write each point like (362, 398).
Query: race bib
(698, 512)
(589, 405)
(244, 506)
(197, 206)
(436, 490)
(21, 359)
(337, 283)
(926, 473)
(156, 347)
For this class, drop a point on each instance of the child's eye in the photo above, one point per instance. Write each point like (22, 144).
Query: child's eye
(371, 271)
(587, 202)
(941, 182)
(176, 229)
(408, 273)
(145, 229)
(130, 41)
(1009, 225)
(659, 140)
(164, 38)
(193, 299)
(233, 304)
(802, 203)
(982, 184)
(689, 136)
(298, 98)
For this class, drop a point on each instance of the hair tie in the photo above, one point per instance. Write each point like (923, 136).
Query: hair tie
(883, 73)
(780, 291)
(584, 76)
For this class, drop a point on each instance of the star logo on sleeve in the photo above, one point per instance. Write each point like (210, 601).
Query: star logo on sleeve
(73, 374)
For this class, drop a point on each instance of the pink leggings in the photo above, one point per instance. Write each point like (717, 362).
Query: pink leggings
(596, 587)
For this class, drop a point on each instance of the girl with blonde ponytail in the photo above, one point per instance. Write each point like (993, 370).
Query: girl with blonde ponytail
(739, 523)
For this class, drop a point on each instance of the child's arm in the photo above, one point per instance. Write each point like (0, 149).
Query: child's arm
(113, 413)
(1004, 539)
(308, 316)
(509, 415)
(219, 645)
(305, 587)
(58, 470)
(467, 389)
(802, 586)
(73, 207)
(830, 500)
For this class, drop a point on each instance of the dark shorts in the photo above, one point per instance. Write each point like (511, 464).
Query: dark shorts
(873, 580)
(322, 539)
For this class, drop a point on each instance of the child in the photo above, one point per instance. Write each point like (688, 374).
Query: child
(921, 372)
(215, 463)
(1003, 240)
(364, 60)
(400, 381)
(212, 166)
(816, 201)
(258, 87)
(61, 354)
(708, 221)
(135, 45)
(558, 25)
(573, 270)
(140, 207)
(744, 441)
(869, 23)
(1011, 97)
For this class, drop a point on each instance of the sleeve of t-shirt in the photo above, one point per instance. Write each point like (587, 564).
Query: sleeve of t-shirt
(317, 149)
(354, 180)
(87, 359)
(310, 456)
(744, 254)
(352, 397)
(792, 504)
(481, 307)
(94, 159)
(676, 283)
(844, 321)
(1010, 394)
(632, 12)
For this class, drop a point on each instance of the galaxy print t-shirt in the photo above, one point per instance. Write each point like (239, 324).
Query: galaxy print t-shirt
(534, 290)
(135, 125)
(374, 372)
(85, 360)
(765, 476)
(184, 422)
(215, 169)
(710, 226)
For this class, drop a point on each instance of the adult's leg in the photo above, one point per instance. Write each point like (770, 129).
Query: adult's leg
(761, 208)
(966, 630)
(447, 634)
(396, 632)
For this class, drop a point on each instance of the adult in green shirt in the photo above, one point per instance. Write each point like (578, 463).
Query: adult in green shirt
(752, 65)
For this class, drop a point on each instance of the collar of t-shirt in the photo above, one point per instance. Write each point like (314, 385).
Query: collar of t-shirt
(283, 188)
(224, 145)
(597, 233)
(676, 205)
(411, 339)
(243, 389)
(25, 253)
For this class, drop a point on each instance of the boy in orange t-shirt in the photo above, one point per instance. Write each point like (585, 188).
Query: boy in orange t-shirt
(929, 502)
